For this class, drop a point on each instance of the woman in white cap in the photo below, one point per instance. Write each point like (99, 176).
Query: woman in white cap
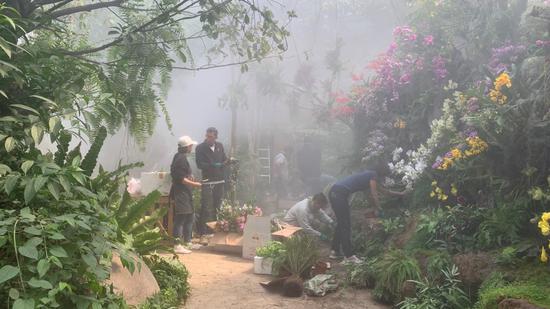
(180, 193)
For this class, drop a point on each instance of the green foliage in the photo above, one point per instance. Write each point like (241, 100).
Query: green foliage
(525, 281)
(436, 263)
(362, 275)
(532, 292)
(172, 277)
(392, 225)
(90, 160)
(367, 244)
(451, 228)
(392, 270)
(272, 249)
(508, 257)
(300, 254)
(137, 228)
(434, 295)
(501, 225)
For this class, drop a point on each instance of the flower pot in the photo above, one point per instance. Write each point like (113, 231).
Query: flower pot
(263, 266)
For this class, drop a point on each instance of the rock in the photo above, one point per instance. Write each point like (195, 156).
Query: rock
(474, 268)
(532, 69)
(136, 287)
(408, 289)
(510, 303)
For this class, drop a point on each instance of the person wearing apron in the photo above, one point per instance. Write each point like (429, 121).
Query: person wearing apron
(182, 196)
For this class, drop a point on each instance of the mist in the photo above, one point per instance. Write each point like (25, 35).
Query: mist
(353, 31)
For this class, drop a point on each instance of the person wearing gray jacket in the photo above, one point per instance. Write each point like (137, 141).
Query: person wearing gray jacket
(304, 214)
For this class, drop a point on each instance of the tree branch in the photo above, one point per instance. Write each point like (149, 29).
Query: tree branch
(38, 3)
(122, 37)
(85, 8)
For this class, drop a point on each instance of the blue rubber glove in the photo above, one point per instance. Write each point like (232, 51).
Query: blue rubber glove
(217, 164)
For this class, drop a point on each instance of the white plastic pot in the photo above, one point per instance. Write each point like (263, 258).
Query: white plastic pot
(262, 266)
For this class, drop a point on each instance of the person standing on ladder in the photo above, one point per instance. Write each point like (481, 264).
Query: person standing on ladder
(211, 160)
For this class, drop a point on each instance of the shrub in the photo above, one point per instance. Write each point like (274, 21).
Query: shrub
(362, 275)
(501, 226)
(436, 262)
(392, 270)
(430, 294)
(172, 278)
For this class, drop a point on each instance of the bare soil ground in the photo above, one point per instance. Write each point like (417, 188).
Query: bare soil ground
(225, 281)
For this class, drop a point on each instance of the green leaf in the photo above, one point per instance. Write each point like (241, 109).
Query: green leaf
(8, 119)
(54, 124)
(33, 231)
(7, 272)
(56, 261)
(58, 251)
(29, 192)
(90, 260)
(54, 190)
(26, 166)
(9, 144)
(4, 94)
(39, 182)
(25, 107)
(11, 182)
(57, 236)
(23, 304)
(26, 214)
(14, 294)
(4, 169)
(36, 283)
(37, 133)
(43, 267)
(28, 251)
(33, 242)
(76, 161)
(45, 100)
(64, 182)
(85, 191)
(5, 47)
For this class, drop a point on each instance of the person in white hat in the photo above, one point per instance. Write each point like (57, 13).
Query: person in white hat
(180, 193)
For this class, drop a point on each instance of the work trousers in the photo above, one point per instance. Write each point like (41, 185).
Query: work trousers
(211, 200)
(342, 235)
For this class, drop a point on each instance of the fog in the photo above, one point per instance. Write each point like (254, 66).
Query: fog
(361, 28)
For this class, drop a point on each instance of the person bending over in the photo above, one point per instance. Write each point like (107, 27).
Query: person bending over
(305, 213)
(339, 200)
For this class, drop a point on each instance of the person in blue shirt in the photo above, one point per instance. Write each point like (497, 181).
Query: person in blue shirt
(339, 200)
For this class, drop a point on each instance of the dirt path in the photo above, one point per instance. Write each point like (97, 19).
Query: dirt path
(224, 281)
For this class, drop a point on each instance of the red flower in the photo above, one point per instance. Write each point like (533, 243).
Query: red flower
(342, 99)
(356, 77)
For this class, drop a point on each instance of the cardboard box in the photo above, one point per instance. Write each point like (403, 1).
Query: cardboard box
(225, 241)
(257, 233)
(286, 232)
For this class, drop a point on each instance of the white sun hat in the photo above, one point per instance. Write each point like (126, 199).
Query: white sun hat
(185, 141)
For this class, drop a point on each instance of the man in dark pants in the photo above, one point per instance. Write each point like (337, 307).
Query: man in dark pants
(210, 159)
(339, 195)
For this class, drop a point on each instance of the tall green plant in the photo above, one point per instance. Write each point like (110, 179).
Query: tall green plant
(137, 220)
(434, 295)
(300, 254)
(392, 271)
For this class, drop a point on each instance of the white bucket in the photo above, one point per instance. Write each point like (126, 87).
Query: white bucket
(262, 266)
